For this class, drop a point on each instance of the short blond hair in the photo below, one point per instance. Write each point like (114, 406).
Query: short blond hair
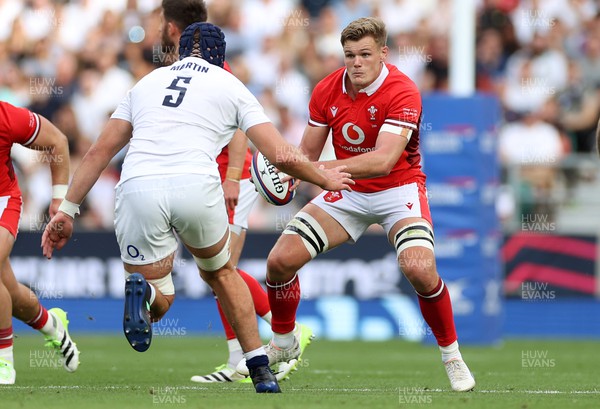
(363, 27)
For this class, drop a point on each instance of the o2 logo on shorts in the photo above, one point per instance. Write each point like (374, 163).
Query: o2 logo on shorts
(134, 252)
(360, 134)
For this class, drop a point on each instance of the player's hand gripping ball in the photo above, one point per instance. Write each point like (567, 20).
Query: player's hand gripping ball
(268, 181)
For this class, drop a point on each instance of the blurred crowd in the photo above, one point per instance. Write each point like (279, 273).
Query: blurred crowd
(73, 60)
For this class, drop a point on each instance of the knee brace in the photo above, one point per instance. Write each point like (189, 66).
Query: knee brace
(417, 234)
(217, 261)
(312, 234)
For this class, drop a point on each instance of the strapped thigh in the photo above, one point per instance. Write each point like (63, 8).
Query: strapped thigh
(217, 261)
(417, 234)
(310, 231)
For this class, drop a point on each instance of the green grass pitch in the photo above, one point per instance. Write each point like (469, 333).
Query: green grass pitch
(520, 374)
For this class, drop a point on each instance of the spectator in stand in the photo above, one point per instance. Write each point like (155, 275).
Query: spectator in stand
(590, 60)
(533, 75)
(579, 110)
(350, 10)
(436, 70)
(490, 61)
(536, 148)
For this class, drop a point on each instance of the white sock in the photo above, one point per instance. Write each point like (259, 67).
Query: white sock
(7, 355)
(267, 317)
(53, 327)
(257, 352)
(283, 341)
(450, 352)
(235, 352)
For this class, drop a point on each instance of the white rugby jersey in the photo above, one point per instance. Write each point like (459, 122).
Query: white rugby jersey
(182, 117)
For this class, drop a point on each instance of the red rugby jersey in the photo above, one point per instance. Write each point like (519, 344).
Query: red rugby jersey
(393, 99)
(17, 125)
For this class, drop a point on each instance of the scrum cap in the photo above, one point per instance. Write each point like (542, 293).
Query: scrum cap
(203, 40)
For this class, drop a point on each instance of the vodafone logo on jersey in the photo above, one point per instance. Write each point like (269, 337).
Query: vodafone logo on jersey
(353, 134)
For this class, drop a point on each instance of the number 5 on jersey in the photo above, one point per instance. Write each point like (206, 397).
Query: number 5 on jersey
(168, 101)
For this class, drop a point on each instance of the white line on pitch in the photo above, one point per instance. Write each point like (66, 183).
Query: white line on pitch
(163, 388)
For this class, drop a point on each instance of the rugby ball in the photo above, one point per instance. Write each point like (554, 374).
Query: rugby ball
(268, 182)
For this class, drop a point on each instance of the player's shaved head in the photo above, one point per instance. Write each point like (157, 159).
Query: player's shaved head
(184, 12)
(363, 27)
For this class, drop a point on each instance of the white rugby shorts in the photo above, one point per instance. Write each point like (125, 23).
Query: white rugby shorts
(356, 211)
(248, 194)
(149, 210)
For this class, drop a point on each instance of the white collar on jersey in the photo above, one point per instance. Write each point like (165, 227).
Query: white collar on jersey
(370, 90)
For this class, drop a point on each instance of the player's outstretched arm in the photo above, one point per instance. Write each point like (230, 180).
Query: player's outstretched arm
(313, 141)
(291, 160)
(54, 143)
(113, 138)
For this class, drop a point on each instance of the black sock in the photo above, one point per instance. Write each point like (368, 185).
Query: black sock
(261, 360)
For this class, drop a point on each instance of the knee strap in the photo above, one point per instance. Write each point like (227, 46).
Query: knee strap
(417, 234)
(312, 234)
(217, 261)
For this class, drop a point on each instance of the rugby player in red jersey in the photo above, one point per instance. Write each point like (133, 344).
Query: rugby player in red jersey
(373, 111)
(21, 126)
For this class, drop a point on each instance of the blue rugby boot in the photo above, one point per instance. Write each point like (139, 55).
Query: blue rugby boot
(137, 324)
(262, 376)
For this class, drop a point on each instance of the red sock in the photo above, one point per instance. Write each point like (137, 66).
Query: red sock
(259, 296)
(436, 308)
(6, 337)
(40, 320)
(284, 299)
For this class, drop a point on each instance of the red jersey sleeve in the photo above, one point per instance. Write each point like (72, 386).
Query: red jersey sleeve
(317, 106)
(404, 110)
(19, 125)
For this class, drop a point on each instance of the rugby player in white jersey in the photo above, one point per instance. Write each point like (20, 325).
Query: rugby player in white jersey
(176, 121)
(240, 195)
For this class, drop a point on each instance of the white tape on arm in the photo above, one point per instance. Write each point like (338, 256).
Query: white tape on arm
(59, 191)
(396, 130)
(69, 208)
